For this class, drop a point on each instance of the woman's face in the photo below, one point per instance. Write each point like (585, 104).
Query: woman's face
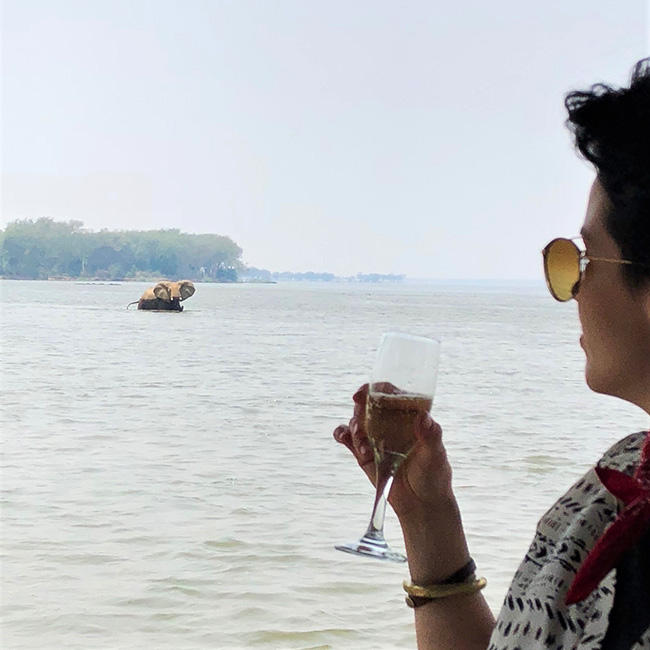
(615, 319)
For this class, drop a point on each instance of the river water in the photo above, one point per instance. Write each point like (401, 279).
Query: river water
(170, 480)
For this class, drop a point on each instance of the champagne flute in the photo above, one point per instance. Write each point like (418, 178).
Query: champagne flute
(402, 386)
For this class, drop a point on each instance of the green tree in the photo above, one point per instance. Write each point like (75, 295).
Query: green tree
(45, 248)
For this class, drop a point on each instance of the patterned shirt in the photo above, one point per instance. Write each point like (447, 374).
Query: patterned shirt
(534, 615)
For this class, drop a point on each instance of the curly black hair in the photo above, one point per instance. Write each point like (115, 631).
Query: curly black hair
(611, 128)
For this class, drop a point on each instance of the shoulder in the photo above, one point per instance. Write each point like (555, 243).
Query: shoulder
(625, 454)
(565, 534)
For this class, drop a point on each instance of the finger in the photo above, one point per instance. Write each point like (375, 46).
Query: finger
(360, 396)
(361, 450)
(359, 436)
(427, 429)
(354, 440)
(358, 420)
(343, 435)
(361, 393)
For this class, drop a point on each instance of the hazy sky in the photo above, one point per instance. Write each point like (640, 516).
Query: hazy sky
(414, 137)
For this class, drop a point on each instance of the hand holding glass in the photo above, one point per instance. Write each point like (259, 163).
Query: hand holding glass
(401, 388)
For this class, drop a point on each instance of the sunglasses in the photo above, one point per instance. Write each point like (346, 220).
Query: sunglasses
(564, 264)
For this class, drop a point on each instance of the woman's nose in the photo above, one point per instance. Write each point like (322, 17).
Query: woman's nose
(575, 289)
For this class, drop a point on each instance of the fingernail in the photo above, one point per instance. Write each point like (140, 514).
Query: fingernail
(364, 449)
(354, 426)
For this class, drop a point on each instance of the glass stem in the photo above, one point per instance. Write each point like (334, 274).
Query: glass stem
(385, 476)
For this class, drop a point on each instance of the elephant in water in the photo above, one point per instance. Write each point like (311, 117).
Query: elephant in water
(165, 296)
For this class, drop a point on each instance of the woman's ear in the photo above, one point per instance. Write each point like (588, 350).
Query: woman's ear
(186, 289)
(161, 291)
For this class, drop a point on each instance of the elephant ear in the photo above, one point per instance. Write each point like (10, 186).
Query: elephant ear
(161, 291)
(186, 289)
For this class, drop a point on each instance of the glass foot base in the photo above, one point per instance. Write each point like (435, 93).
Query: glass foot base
(374, 548)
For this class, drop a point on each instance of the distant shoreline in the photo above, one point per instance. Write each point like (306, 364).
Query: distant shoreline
(447, 282)
(125, 280)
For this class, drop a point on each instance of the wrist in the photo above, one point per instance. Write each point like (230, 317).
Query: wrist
(435, 543)
(427, 515)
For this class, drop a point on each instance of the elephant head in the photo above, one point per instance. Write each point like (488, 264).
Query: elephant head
(174, 291)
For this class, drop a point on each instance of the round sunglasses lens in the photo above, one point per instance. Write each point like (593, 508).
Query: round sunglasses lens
(562, 267)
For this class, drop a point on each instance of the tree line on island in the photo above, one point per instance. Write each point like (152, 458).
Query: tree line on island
(45, 249)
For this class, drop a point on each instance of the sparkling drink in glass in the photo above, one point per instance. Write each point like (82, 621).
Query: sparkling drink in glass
(401, 388)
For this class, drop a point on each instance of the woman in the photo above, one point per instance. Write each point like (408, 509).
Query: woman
(585, 581)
